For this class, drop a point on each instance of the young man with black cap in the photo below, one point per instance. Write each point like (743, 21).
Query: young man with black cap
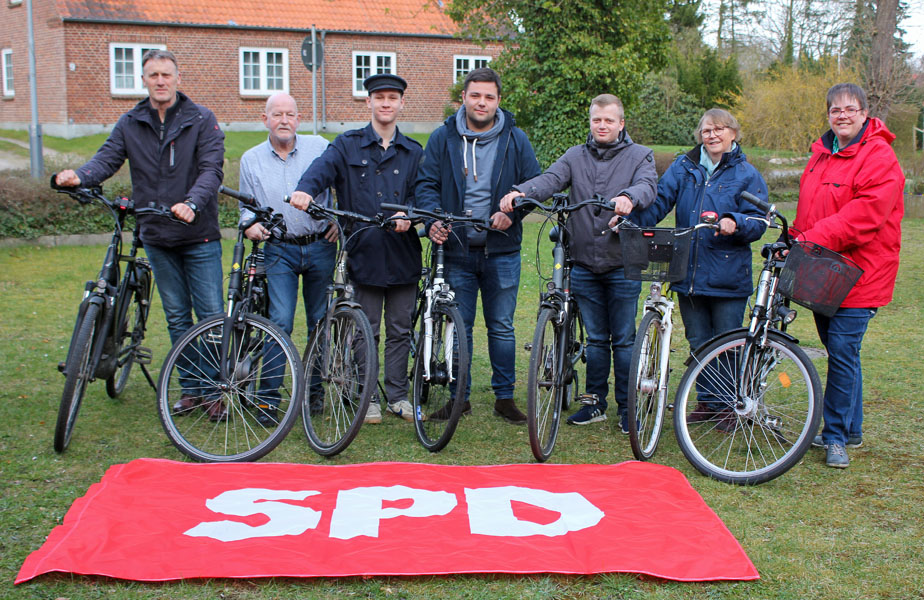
(367, 167)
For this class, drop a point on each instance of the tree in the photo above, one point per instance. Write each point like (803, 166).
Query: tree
(560, 54)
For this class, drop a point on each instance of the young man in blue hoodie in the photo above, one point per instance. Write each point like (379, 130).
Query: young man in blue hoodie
(469, 163)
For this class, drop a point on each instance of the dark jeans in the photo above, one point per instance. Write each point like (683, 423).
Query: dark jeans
(609, 303)
(398, 302)
(705, 317)
(189, 278)
(284, 263)
(842, 336)
(497, 276)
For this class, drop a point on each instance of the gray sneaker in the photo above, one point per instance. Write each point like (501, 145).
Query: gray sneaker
(853, 441)
(373, 414)
(837, 456)
(402, 409)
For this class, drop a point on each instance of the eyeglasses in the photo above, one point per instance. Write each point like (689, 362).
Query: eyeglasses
(716, 131)
(849, 112)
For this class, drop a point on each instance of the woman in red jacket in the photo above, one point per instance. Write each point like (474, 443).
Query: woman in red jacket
(850, 200)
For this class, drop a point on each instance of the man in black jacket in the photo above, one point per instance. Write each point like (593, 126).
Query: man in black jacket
(175, 152)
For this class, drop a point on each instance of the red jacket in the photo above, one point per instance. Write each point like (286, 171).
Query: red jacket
(851, 202)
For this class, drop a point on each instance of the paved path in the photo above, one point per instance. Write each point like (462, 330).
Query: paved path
(12, 161)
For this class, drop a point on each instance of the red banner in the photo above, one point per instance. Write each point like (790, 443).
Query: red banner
(157, 520)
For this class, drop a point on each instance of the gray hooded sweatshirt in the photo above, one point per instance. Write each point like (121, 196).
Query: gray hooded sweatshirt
(478, 152)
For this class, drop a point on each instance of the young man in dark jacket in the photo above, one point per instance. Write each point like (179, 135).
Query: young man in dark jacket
(609, 163)
(175, 152)
(469, 163)
(367, 167)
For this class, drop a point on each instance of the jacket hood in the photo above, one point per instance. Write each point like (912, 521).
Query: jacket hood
(509, 121)
(732, 157)
(875, 129)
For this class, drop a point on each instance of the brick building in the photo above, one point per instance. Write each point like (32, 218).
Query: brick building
(233, 54)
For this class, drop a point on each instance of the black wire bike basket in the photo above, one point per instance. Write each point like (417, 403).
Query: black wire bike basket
(817, 278)
(654, 253)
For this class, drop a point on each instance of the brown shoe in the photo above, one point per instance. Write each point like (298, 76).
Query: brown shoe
(216, 411)
(186, 404)
(701, 413)
(726, 421)
(507, 410)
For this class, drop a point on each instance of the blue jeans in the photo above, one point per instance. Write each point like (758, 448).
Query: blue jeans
(842, 336)
(609, 303)
(705, 317)
(284, 263)
(497, 276)
(189, 278)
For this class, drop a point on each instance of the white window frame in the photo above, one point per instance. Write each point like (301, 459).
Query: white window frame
(263, 89)
(138, 51)
(470, 64)
(15, 2)
(7, 63)
(358, 90)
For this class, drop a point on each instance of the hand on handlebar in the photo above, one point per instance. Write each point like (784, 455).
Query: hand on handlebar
(500, 221)
(257, 232)
(439, 233)
(727, 226)
(67, 178)
(300, 200)
(401, 224)
(182, 212)
(506, 203)
(622, 206)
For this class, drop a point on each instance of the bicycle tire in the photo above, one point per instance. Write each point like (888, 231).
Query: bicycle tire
(771, 431)
(129, 338)
(438, 402)
(78, 373)
(342, 393)
(259, 350)
(572, 390)
(646, 399)
(545, 384)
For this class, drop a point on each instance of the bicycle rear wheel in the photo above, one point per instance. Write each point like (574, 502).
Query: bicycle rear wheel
(78, 373)
(764, 409)
(440, 397)
(130, 332)
(341, 369)
(646, 399)
(546, 387)
(242, 416)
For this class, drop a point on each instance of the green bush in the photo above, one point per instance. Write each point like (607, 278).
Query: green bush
(663, 114)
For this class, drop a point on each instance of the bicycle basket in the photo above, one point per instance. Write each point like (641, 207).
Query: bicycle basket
(654, 254)
(817, 278)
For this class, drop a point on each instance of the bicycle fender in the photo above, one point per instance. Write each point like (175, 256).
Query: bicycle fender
(736, 333)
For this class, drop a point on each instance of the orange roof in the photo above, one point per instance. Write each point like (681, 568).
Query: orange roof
(422, 17)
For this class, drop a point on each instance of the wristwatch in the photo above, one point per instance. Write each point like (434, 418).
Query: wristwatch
(188, 202)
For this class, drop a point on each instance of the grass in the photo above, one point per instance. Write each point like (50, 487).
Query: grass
(813, 533)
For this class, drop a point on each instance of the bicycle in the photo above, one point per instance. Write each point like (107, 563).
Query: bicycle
(441, 358)
(659, 255)
(241, 370)
(558, 340)
(340, 361)
(769, 389)
(112, 317)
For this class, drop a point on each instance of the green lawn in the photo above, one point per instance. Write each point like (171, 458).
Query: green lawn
(813, 533)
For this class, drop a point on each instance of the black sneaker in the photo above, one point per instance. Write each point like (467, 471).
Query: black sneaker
(267, 415)
(592, 411)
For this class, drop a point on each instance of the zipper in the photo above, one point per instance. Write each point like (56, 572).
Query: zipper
(172, 144)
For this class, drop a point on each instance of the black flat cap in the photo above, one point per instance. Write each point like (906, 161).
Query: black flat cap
(384, 81)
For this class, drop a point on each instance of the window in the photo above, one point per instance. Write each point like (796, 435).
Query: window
(263, 71)
(464, 64)
(125, 68)
(8, 72)
(370, 63)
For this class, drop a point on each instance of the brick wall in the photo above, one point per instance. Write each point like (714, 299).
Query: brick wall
(75, 61)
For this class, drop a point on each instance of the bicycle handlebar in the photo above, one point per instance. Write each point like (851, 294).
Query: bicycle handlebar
(560, 203)
(274, 221)
(417, 215)
(88, 195)
(763, 206)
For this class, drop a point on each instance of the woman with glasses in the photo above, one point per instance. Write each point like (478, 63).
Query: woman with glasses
(713, 295)
(850, 200)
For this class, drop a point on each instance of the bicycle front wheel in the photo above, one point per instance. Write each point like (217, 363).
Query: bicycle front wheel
(440, 378)
(546, 385)
(747, 419)
(646, 398)
(238, 416)
(130, 333)
(341, 369)
(78, 373)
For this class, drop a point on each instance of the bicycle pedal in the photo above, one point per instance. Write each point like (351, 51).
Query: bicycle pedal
(143, 356)
(528, 346)
(61, 367)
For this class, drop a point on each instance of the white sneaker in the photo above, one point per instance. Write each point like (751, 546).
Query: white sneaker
(402, 409)
(373, 414)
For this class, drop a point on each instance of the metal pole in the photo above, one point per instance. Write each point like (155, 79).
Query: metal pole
(323, 88)
(36, 161)
(314, 78)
